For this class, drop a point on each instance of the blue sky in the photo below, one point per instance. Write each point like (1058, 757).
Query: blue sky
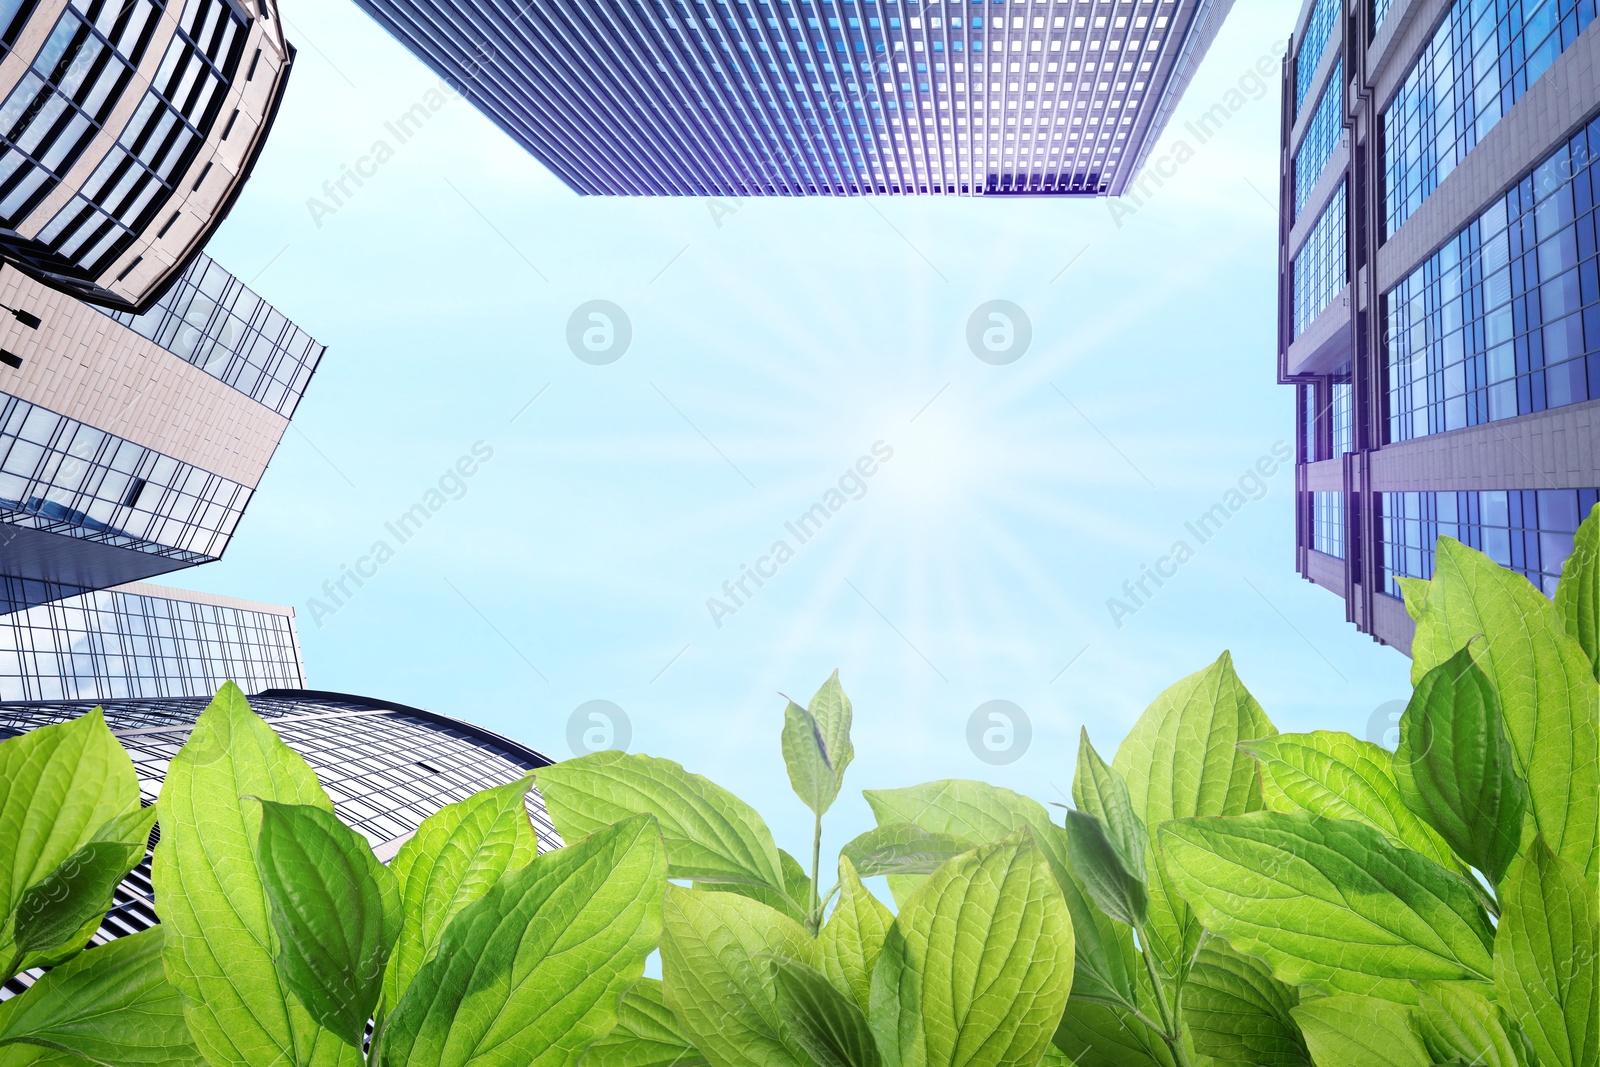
(774, 343)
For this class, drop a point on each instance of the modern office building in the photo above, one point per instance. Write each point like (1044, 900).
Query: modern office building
(818, 97)
(130, 444)
(127, 130)
(141, 641)
(1438, 288)
(385, 766)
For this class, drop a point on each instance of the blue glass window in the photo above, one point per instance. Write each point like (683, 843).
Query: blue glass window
(1481, 60)
(1315, 42)
(1319, 269)
(1528, 531)
(1503, 320)
(1327, 523)
(1322, 135)
(1341, 411)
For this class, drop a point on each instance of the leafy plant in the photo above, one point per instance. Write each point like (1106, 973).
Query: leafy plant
(71, 827)
(286, 937)
(975, 969)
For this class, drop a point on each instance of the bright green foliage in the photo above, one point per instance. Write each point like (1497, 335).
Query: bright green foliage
(1578, 595)
(1102, 794)
(1544, 968)
(902, 848)
(212, 902)
(532, 973)
(1238, 1014)
(977, 967)
(825, 1024)
(1106, 839)
(112, 1005)
(975, 813)
(59, 785)
(1457, 1022)
(647, 1034)
(816, 745)
(1182, 759)
(78, 892)
(451, 861)
(1330, 903)
(1096, 1035)
(1548, 694)
(711, 835)
(1455, 767)
(1349, 1031)
(717, 978)
(1332, 774)
(335, 910)
(850, 942)
(1114, 885)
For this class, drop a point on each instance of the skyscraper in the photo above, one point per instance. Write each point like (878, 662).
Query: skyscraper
(141, 641)
(130, 444)
(386, 767)
(820, 97)
(1438, 288)
(127, 129)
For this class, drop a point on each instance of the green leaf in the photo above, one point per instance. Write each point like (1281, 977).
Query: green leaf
(213, 904)
(977, 967)
(532, 973)
(1457, 1022)
(451, 861)
(1578, 595)
(797, 888)
(978, 813)
(902, 848)
(55, 909)
(1349, 1031)
(1237, 1013)
(850, 941)
(1332, 774)
(1182, 760)
(36, 1056)
(825, 1024)
(1414, 592)
(1329, 903)
(646, 1035)
(1547, 689)
(1102, 793)
(1455, 766)
(711, 835)
(336, 911)
(716, 983)
(1115, 888)
(1097, 1035)
(1544, 964)
(110, 1005)
(58, 785)
(816, 745)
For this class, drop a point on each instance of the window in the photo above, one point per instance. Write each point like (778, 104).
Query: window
(1319, 269)
(1327, 523)
(1503, 320)
(1529, 531)
(1319, 28)
(1322, 136)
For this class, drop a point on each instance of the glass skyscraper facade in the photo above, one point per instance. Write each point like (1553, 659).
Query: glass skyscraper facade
(193, 84)
(1455, 389)
(820, 97)
(146, 641)
(386, 767)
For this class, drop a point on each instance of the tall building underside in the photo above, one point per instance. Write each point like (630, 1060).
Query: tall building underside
(1439, 288)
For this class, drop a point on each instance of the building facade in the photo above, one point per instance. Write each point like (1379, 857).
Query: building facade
(386, 767)
(140, 641)
(1439, 290)
(820, 97)
(127, 129)
(131, 444)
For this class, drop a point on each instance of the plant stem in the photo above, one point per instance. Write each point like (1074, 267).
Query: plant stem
(1170, 1031)
(816, 869)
